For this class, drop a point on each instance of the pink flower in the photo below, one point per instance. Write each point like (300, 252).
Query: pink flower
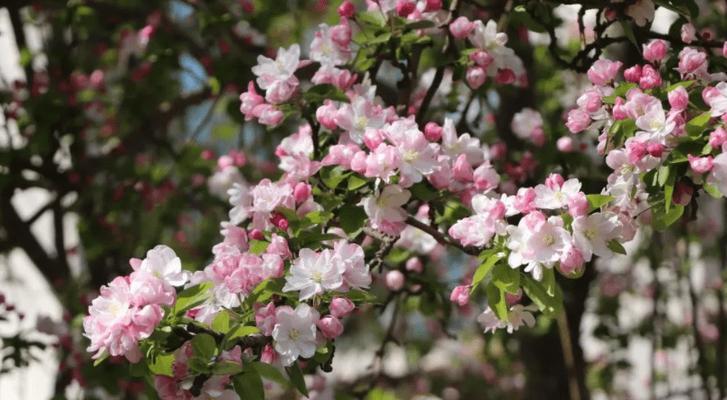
(346, 9)
(326, 115)
(571, 262)
(479, 229)
(460, 295)
(461, 27)
(692, 61)
(462, 170)
(249, 101)
(650, 78)
(565, 144)
(482, 58)
(578, 120)
(688, 33)
(277, 76)
(330, 326)
(700, 165)
(265, 319)
(269, 115)
(341, 307)
(603, 71)
(578, 205)
(394, 280)
(590, 101)
(724, 49)
(475, 77)
(718, 137)
(678, 99)
(655, 50)
(432, 131)
(414, 264)
(405, 7)
(633, 74)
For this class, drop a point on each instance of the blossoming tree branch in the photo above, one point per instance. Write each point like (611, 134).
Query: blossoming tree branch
(372, 180)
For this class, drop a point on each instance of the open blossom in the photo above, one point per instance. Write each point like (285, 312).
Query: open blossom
(326, 49)
(453, 144)
(417, 157)
(718, 175)
(487, 38)
(312, 273)
(518, 316)
(115, 322)
(479, 229)
(718, 101)
(528, 124)
(385, 209)
(536, 242)
(277, 76)
(603, 71)
(163, 263)
(294, 333)
(554, 196)
(360, 114)
(692, 62)
(592, 234)
(351, 258)
(294, 152)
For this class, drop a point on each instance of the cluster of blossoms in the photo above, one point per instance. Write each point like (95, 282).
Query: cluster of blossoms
(130, 307)
(655, 134)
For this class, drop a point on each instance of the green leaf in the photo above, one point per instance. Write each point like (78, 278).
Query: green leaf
(249, 384)
(240, 331)
(663, 219)
(662, 175)
(539, 295)
(192, 297)
(269, 372)
(101, 359)
(319, 93)
(296, 378)
(684, 84)
(258, 246)
(227, 367)
(423, 191)
(332, 177)
(356, 181)
(596, 201)
(162, 365)
(497, 301)
(619, 91)
(484, 269)
(712, 190)
(696, 125)
(506, 278)
(351, 218)
(616, 247)
(319, 217)
(371, 18)
(204, 346)
(221, 323)
(421, 24)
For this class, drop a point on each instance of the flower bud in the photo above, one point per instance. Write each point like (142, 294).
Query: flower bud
(513, 298)
(341, 306)
(461, 27)
(717, 137)
(405, 7)
(257, 234)
(571, 263)
(346, 9)
(432, 131)
(460, 295)
(688, 33)
(302, 192)
(330, 326)
(432, 5)
(481, 58)
(565, 144)
(395, 280)
(633, 74)
(462, 170)
(655, 50)
(476, 77)
(682, 193)
(700, 165)
(578, 205)
(655, 149)
(505, 76)
(414, 264)
(678, 98)
(650, 78)
(373, 138)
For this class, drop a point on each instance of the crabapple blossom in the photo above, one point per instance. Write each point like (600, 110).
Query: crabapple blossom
(384, 209)
(536, 242)
(592, 234)
(277, 77)
(312, 273)
(294, 334)
(527, 124)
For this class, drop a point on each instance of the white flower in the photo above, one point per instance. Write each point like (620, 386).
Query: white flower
(362, 113)
(517, 316)
(270, 72)
(654, 123)
(525, 122)
(553, 198)
(352, 262)
(718, 175)
(294, 333)
(718, 103)
(223, 180)
(489, 321)
(536, 242)
(486, 37)
(313, 273)
(327, 52)
(592, 234)
(386, 206)
(241, 201)
(163, 263)
(453, 145)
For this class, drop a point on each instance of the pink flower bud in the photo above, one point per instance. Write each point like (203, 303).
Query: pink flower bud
(341, 34)
(268, 355)
(578, 205)
(301, 193)
(346, 9)
(432, 5)
(678, 98)
(257, 234)
(633, 74)
(709, 93)
(554, 181)
(461, 27)
(498, 150)
(460, 295)
(505, 76)
(717, 137)
(279, 221)
(225, 161)
(571, 262)
(650, 78)
(414, 264)
(330, 326)
(395, 280)
(341, 306)
(481, 58)
(688, 33)
(432, 131)
(476, 77)
(655, 50)
(603, 71)
(655, 149)
(682, 193)
(207, 154)
(724, 49)
(326, 115)
(405, 7)
(700, 165)
(565, 144)
(513, 298)
(373, 138)
(358, 162)
(578, 120)
(462, 170)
